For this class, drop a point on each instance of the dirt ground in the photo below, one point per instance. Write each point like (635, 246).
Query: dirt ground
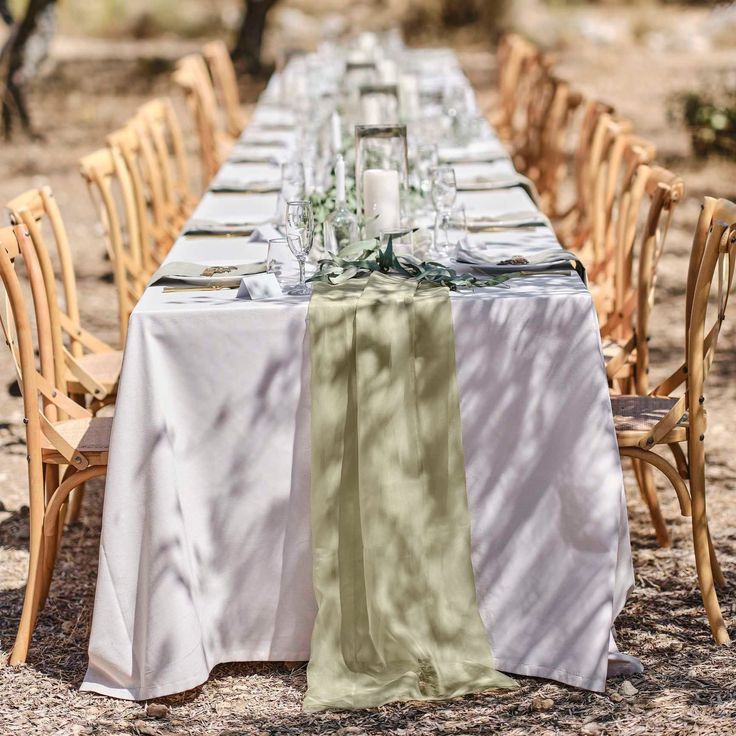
(689, 683)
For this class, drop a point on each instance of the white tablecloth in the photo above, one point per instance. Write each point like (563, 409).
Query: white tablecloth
(205, 551)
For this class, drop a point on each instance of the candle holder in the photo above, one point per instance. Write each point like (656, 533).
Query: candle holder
(381, 147)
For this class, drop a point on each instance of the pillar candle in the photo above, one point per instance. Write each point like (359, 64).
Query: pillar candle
(371, 110)
(336, 133)
(387, 71)
(409, 96)
(340, 179)
(381, 197)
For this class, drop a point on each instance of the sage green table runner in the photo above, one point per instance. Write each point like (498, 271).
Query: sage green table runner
(397, 612)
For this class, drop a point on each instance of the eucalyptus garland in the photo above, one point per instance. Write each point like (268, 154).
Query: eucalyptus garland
(360, 259)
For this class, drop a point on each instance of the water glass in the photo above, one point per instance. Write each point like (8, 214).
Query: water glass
(293, 185)
(452, 220)
(280, 257)
(444, 188)
(427, 159)
(300, 235)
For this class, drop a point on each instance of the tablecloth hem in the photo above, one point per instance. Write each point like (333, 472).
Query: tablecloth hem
(595, 684)
(89, 684)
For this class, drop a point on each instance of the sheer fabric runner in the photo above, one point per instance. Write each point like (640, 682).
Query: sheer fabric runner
(397, 612)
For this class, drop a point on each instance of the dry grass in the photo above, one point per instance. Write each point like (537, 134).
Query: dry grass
(689, 683)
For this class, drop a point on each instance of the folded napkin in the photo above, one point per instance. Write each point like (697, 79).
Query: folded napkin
(211, 227)
(198, 273)
(237, 186)
(489, 183)
(506, 220)
(254, 157)
(546, 261)
(264, 233)
(261, 141)
(483, 152)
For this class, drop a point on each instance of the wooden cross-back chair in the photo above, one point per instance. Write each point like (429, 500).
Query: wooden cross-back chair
(111, 189)
(515, 55)
(135, 146)
(621, 155)
(225, 82)
(65, 445)
(534, 101)
(192, 77)
(661, 419)
(625, 331)
(92, 366)
(547, 168)
(573, 223)
(162, 122)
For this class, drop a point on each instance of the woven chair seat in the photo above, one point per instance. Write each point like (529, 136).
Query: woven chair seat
(641, 413)
(90, 436)
(103, 367)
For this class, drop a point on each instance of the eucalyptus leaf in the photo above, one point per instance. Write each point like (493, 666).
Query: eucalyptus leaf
(361, 258)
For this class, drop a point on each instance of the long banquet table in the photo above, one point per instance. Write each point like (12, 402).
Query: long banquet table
(205, 551)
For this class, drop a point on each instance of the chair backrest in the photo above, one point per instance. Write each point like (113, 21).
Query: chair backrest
(588, 153)
(160, 117)
(38, 211)
(664, 191)
(225, 82)
(43, 383)
(111, 188)
(193, 78)
(713, 257)
(621, 156)
(135, 146)
(515, 55)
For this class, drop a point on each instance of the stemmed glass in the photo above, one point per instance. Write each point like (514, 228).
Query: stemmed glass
(444, 194)
(427, 159)
(292, 185)
(300, 233)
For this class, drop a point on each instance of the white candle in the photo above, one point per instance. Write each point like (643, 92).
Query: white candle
(381, 201)
(368, 43)
(340, 179)
(336, 133)
(387, 72)
(409, 96)
(371, 110)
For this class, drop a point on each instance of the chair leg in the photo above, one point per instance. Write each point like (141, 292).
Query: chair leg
(648, 488)
(31, 598)
(718, 576)
(703, 546)
(75, 504)
(50, 546)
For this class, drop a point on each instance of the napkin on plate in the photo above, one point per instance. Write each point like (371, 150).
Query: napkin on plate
(546, 261)
(201, 274)
(237, 186)
(211, 227)
(254, 157)
(506, 221)
(482, 152)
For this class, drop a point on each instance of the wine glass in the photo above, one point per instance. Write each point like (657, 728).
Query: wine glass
(454, 219)
(292, 185)
(427, 159)
(444, 188)
(300, 233)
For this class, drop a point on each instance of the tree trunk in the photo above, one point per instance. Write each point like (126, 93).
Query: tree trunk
(11, 66)
(247, 50)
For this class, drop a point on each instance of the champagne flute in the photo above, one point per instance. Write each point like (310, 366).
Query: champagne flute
(300, 234)
(292, 185)
(444, 188)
